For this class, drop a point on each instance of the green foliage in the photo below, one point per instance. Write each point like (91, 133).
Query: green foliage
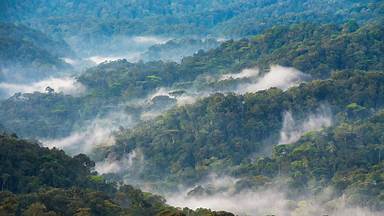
(177, 17)
(38, 181)
(222, 131)
(175, 49)
(347, 157)
(26, 51)
(113, 83)
(315, 50)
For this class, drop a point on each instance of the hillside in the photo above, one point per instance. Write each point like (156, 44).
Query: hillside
(191, 108)
(39, 181)
(27, 54)
(315, 50)
(189, 142)
(97, 22)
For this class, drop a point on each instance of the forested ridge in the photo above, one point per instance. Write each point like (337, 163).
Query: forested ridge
(99, 19)
(347, 157)
(225, 130)
(39, 181)
(25, 51)
(280, 112)
(315, 50)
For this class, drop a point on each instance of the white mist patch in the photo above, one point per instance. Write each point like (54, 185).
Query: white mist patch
(246, 73)
(129, 48)
(268, 200)
(160, 92)
(70, 61)
(293, 130)
(278, 76)
(113, 165)
(189, 97)
(149, 40)
(222, 195)
(313, 208)
(245, 203)
(131, 57)
(66, 85)
(97, 133)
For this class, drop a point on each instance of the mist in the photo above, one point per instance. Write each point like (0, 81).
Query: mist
(266, 200)
(278, 76)
(67, 85)
(113, 165)
(164, 99)
(92, 134)
(292, 129)
(245, 73)
(113, 48)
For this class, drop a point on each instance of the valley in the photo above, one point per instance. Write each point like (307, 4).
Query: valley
(192, 108)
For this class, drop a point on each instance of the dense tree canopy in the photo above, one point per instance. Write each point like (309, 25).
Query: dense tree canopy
(191, 141)
(95, 20)
(38, 181)
(177, 124)
(347, 157)
(315, 50)
(27, 54)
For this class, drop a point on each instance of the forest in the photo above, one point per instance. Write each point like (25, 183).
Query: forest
(40, 181)
(22, 47)
(192, 108)
(315, 50)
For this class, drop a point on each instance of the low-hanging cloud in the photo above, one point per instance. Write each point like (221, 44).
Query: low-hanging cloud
(113, 165)
(268, 200)
(222, 195)
(133, 56)
(292, 130)
(245, 73)
(66, 85)
(278, 76)
(97, 133)
(246, 203)
(151, 40)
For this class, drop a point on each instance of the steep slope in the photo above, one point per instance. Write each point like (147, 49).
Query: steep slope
(39, 181)
(176, 49)
(346, 158)
(314, 50)
(27, 54)
(99, 21)
(188, 142)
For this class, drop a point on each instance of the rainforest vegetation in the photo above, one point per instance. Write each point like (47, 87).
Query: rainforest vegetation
(268, 107)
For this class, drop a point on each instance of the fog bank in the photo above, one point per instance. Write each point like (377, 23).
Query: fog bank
(292, 130)
(66, 85)
(95, 133)
(267, 200)
(278, 76)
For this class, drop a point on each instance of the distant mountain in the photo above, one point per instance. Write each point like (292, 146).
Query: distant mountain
(96, 22)
(176, 49)
(315, 50)
(27, 54)
(267, 107)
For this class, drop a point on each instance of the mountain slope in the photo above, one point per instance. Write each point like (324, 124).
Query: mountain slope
(96, 22)
(191, 141)
(27, 54)
(188, 17)
(314, 50)
(39, 181)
